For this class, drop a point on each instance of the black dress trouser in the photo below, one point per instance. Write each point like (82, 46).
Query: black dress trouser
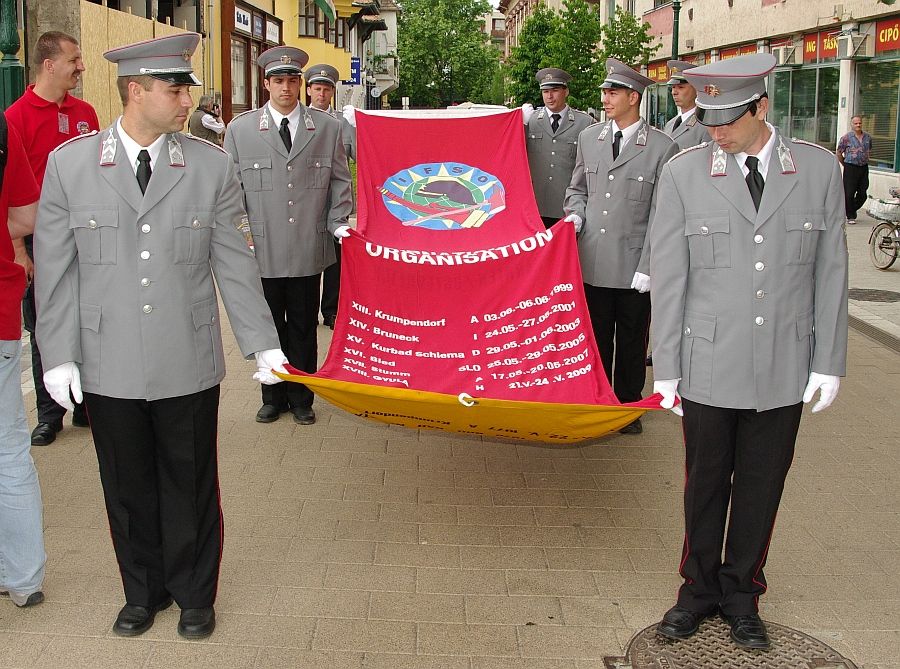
(294, 303)
(331, 285)
(620, 318)
(741, 457)
(159, 472)
(856, 183)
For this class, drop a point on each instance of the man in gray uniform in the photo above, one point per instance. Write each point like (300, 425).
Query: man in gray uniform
(133, 223)
(551, 134)
(321, 83)
(611, 199)
(749, 267)
(684, 128)
(293, 168)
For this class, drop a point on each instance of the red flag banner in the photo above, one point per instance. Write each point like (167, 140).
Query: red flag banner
(458, 310)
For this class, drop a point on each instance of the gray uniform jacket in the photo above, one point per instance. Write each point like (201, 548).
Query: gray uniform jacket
(125, 281)
(295, 200)
(551, 157)
(746, 304)
(690, 133)
(616, 200)
(348, 136)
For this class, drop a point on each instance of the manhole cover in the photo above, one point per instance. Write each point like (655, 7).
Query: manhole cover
(873, 295)
(712, 647)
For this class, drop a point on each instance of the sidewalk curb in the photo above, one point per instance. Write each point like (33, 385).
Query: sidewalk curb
(875, 327)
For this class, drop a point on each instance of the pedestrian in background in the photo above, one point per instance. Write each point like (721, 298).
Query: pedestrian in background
(22, 555)
(293, 169)
(133, 226)
(46, 115)
(611, 199)
(853, 151)
(551, 135)
(749, 267)
(205, 121)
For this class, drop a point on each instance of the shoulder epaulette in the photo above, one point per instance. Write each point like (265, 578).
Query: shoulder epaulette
(249, 111)
(803, 141)
(702, 145)
(205, 141)
(76, 138)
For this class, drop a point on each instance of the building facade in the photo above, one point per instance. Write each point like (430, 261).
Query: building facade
(835, 60)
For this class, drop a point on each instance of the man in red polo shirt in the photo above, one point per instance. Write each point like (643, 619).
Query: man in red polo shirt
(45, 117)
(22, 555)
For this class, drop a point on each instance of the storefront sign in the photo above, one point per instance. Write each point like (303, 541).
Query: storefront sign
(242, 20)
(658, 71)
(811, 48)
(887, 35)
(725, 54)
(258, 26)
(828, 45)
(273, 32)
(748, 49)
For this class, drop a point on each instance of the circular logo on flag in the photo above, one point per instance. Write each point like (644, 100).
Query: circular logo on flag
(443, 196)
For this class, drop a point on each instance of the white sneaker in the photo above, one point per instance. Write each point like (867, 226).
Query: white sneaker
(32, 599)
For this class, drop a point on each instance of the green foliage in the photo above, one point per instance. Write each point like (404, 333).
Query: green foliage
(445, 56)
(627, 39)
(573, 48)
(577, 41)
(530, 55)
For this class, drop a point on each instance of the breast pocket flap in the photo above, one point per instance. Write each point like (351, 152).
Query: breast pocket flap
(706, 225)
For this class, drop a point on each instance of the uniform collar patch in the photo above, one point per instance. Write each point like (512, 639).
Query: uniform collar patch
(264, 120)
(719, 166)
(785, 157)
(108, 149)
(176, 153)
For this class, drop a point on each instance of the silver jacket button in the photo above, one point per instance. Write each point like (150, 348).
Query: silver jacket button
(704, 230)
(807, 226)
(758, 239)
(147, 309)
(92, 224)
(145, 228)
(145, 255)
(760, 320)
(687, 331)
(760, 266)
(145, 282)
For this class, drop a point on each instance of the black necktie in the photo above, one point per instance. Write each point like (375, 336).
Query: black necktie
(285, 133)
(616, 142)
(755, 180)
(143, 170)
(677, 123)
(554, 124)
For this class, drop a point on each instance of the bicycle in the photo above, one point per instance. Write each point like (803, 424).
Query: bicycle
(884, 240)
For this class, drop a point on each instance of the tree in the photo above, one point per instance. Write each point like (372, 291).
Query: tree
(530, 55)
(573, 47)
(627, 39)
(445, 56)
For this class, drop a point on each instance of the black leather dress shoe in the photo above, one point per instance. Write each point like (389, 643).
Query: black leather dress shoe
(268, 413)
(679, 623)
(197, 623)
(748, 631)
(329, 320)
(304, 415)
(44, 434)
(135, 620)
(633, 428)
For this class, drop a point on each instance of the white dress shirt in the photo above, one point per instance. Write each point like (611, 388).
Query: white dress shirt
(293, 119)
(132, 148)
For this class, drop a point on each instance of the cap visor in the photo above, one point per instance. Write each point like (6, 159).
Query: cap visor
(320, 80)
(178, 78)
(715, 117)
(285, 71)
(676, 80)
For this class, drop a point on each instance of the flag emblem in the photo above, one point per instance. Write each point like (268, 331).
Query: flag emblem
(443, 196)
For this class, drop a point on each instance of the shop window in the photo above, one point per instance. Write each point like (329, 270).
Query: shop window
(306, 20)
(320, 23)
(803, 104)
(239, 74)
(877, 104)
(330, 31)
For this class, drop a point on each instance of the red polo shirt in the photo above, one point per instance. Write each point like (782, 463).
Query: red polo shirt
(19, 189)
(43, 125)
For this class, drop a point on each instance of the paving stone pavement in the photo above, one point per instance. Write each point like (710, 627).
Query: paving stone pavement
(352, 544)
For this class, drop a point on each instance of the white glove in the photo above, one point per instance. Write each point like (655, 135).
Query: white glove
(576, 219)
(62, 379)
(828, 387)
(342, 232)
(266, 361)
(349, 113)
(668, 388)
(640, 282)
(527, 111)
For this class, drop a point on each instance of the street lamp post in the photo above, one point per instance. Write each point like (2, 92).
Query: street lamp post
(12, 72)
(676, 10)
